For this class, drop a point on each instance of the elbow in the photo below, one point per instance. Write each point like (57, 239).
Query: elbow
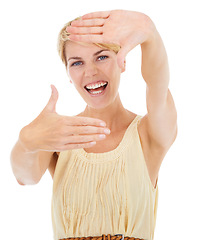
(25, 175)
(28, 180)
(20, 183)
(176, 132)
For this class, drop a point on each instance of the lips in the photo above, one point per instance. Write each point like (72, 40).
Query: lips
(96, 88)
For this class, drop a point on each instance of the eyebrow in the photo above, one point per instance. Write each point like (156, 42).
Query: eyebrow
(95, 54)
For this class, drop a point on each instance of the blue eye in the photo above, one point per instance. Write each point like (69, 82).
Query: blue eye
(102, 58)
(76, 63)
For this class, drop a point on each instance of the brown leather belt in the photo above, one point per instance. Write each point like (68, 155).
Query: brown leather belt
(104, 237)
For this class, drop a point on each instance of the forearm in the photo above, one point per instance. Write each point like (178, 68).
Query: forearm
(155, 69)
(25, 164)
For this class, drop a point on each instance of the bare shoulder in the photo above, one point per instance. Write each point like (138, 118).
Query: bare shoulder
(153, 153)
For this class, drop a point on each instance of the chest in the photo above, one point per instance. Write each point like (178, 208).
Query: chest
(110, 143)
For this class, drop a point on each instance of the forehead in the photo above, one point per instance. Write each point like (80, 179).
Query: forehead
(79, 48)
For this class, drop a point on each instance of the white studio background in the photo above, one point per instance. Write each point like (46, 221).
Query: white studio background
(29, 64)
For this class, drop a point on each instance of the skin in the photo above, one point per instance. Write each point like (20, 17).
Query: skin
(93, 68)
(90, 68)
(41, 141)
(157, 129)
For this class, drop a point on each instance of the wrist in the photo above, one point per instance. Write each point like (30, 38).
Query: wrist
(149, 29)
(26, 140)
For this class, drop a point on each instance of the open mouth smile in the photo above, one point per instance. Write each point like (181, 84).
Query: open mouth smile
(96, 88)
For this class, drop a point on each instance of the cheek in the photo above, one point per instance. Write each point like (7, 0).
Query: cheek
(73, 75)
(111, 68)
(115, 72)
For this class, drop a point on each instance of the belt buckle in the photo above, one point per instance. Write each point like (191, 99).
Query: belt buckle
(120, 235)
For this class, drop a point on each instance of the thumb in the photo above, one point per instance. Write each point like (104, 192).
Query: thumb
(51, 105)
(121, 56)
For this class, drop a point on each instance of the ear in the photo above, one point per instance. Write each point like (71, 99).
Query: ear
(68, 75)
(124, 67)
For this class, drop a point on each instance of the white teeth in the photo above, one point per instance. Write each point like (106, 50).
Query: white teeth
(94, 86)
(97, 92)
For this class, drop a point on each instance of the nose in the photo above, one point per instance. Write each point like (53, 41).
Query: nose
(90, 70)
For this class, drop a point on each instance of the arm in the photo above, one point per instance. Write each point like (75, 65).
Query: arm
(161, 120)
(35, 151)
(129, 29)
(158, 128)
(28, 167)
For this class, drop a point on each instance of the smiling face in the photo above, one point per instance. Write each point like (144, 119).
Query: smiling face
(94, 72)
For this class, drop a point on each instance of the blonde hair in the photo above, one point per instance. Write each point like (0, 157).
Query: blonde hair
(63, 38)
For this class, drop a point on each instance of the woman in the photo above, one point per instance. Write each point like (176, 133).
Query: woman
(105, 161)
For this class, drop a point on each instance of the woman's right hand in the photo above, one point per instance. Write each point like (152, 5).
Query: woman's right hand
(55, 133)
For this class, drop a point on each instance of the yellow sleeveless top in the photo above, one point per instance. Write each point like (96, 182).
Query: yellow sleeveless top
(104, 193)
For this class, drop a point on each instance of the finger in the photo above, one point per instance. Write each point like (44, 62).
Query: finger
(89, 38)
(76, 146)
(85, 121)
(100, 14)
(84, 138)
(87, 130)
(84, 30)
(88, 23)
(51, 105)
(122, 55)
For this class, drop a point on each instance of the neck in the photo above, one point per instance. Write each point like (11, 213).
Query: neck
(113, 115)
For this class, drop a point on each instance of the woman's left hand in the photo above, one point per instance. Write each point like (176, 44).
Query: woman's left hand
(125, 28)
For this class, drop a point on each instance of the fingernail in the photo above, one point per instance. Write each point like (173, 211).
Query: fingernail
(102, 136)
(107, 131)
(102, 124)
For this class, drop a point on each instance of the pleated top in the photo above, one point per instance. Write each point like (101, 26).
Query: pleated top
(104, 193)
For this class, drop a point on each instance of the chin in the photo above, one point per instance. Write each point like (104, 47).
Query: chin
(100, 104)
(98, 95)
